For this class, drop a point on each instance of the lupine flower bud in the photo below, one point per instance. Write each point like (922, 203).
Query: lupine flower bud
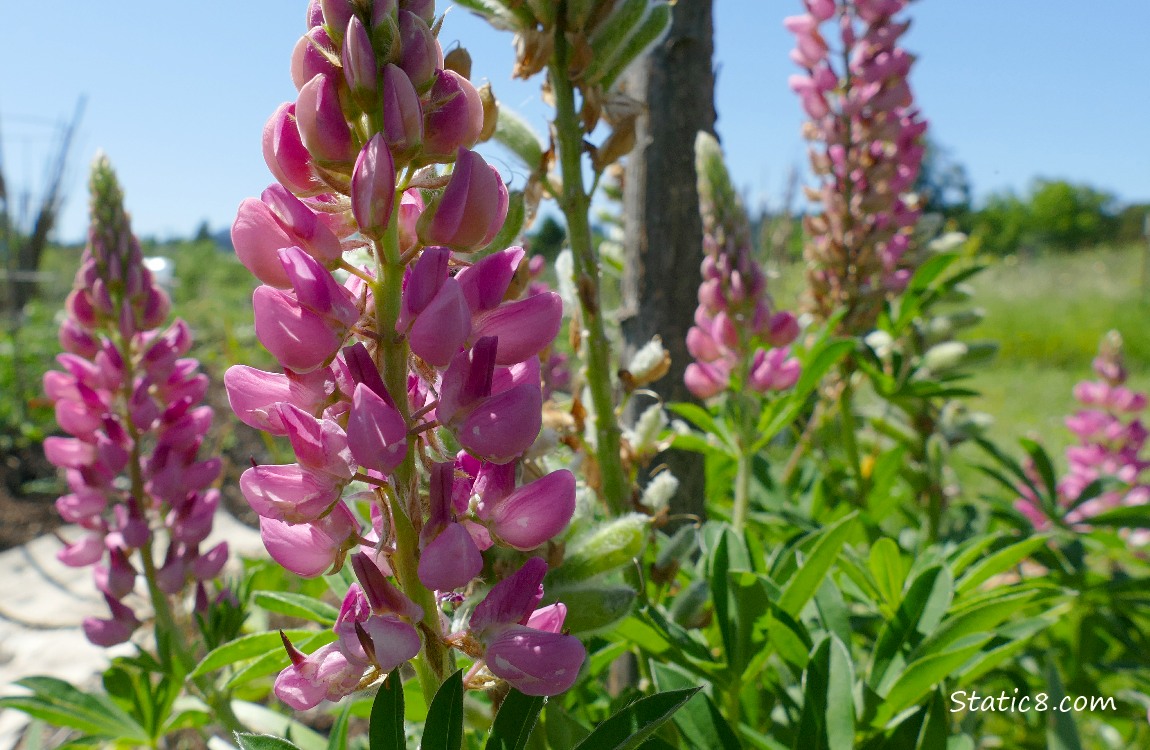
(485, 283)
(705, 379)
(734, 313)
(337, 13)
(289, 492)
(286, 156)
(524, 328)
(454, 116)
(774, 371)
(322, 126)
(359, 65)
(313, 55)
(373, 187)
(472, 208)
(420, 55)
(402, 113)
(450, 558)
(425, 9)
(279, 220)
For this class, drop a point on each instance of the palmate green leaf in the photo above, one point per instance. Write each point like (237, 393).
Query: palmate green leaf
(498, 14)
(995, 655)
(965, 555)
(984, 617)
(1061, 728)
(999, 562)
(828, 717)
(833, 611)
(751, 603)
(697, 444)
(562, 729)
(337, 738)
(1045, 468)
(276, 659)
(262, 720)
(919, 613)
(678, 636)
(246, 741)
(886, 565)
(936, 727)
(59, 703)
(244, 648)
(788, 637)
(443, 729)
(809, 576)
(696, 415)
(385, 732)
(514, 722)
(921, 675)
(635, 723)
(297, 605)
(1127, 517)
(699, 720)
(718, 566)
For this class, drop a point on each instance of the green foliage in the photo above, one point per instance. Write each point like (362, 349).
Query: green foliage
(1054, 215)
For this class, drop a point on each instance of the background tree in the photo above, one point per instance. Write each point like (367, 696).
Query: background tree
(664, 233)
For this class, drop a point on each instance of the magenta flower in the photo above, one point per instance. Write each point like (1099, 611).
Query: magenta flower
(376, 432)
(534, 661)
(735, 331)
(325, 675)
(1111, 440)
(417, 349)
(132, 463)
(866, 149)
(535, 512)
(472, 208)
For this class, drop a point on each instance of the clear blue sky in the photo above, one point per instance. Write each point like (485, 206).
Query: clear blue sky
(177, 94)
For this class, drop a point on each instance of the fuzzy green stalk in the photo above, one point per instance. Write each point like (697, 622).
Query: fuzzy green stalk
(393, 352)
(575, 203)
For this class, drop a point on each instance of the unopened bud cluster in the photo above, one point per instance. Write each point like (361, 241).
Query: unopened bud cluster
(1111, 437)
(130, 399)
(426, 346)
(734, 323)
(867, 149)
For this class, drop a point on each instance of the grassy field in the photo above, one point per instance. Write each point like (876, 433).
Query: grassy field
(1048, 315)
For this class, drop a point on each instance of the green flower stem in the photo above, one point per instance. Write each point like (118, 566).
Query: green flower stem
(575, 203)
(742, 491)
(406, 510)
(167, 630)
(850, 440)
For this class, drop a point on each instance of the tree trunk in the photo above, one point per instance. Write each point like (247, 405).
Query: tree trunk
(664, 234)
